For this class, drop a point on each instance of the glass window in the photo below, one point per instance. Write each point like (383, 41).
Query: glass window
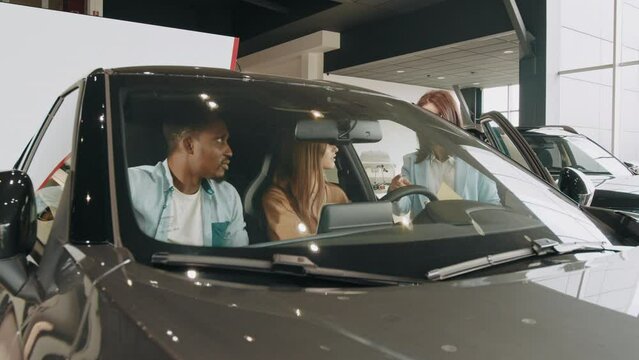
(630, 30)
(550, 152)
(557, 152)
(504, 144)
(586, 100)
(628, 124)
(586, 34)
(513, 118)
(593, 159)
(504, 99)
(383, 160)
(256, 150)
(51, 162)
(513, 98)
(495, 99)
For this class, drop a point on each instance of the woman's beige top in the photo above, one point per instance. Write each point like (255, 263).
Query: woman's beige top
(283, 222)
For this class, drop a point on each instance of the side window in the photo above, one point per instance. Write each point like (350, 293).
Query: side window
(504, 144)
(51, 163)
(555, 154)
(549, 150)
(384, 159)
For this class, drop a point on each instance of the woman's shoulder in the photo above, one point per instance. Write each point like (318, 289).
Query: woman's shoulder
(275, 194)
(411, 157)
(276, 200)
(335, 193)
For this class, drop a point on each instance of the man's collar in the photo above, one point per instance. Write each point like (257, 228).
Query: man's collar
(168, 179)
(168, 183)
(206, 185)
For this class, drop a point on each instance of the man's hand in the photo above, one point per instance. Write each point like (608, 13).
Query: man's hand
(397, 182)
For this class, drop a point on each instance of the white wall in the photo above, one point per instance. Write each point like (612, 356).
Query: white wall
(410, 93)
(43, 52)
(580, 35)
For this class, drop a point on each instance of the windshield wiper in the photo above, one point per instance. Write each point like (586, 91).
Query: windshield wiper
(539, 247)
(281, 264)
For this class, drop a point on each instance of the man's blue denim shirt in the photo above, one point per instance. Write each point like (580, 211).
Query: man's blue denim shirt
(222, 213)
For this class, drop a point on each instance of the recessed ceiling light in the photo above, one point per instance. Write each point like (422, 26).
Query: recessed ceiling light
(400, 71)
(441, 77)
(476, 83)
(508, 52)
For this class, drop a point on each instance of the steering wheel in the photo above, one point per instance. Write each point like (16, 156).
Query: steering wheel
(409, 190)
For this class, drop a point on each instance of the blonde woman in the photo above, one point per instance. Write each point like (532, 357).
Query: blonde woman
(293, 203)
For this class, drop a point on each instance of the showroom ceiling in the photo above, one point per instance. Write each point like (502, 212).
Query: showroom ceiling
(381, 39)
(484, 62)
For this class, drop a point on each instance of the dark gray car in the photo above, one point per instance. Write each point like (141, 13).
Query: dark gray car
(492, 263)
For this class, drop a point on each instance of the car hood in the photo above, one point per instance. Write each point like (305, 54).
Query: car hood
(580, 309)
(620, 193)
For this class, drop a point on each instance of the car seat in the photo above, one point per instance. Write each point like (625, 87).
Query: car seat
(544, 156)
(252, 200)
(144, 143)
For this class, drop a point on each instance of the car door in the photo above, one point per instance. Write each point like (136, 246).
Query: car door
(506, 139)
(62, 161)
(47, 162)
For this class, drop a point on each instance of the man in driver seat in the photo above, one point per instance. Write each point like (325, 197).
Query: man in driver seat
(183, 199)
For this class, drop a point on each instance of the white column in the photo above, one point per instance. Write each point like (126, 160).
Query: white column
(301, 58)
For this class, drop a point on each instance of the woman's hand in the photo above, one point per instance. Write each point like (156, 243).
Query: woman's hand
(397, 182)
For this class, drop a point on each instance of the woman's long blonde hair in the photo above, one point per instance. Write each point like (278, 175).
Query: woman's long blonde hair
(300, 175)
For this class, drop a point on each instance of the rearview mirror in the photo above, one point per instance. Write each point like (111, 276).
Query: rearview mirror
(576, 185)
(333, 131)
(17, 230)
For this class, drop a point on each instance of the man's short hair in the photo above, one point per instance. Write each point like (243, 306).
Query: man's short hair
(184, 117)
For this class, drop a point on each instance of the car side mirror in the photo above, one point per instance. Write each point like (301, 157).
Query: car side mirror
(632, 166)
(576, 185)
(17, 232)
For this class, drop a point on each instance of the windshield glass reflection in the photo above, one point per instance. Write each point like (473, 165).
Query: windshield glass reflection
(304, 168)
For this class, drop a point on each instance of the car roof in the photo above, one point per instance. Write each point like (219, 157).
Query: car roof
(229, 74)
(549, 131)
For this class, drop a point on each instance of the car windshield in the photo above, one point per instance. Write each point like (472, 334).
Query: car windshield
(557, 152)
(254, 166)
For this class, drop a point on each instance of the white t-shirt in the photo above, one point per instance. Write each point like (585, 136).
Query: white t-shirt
(186, 219)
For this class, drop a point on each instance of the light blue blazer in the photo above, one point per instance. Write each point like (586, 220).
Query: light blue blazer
(470, 184)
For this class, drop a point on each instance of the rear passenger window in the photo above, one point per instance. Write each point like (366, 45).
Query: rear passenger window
(51, 163)
(505, 145)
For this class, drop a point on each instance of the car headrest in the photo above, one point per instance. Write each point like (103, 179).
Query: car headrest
(255, 189)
